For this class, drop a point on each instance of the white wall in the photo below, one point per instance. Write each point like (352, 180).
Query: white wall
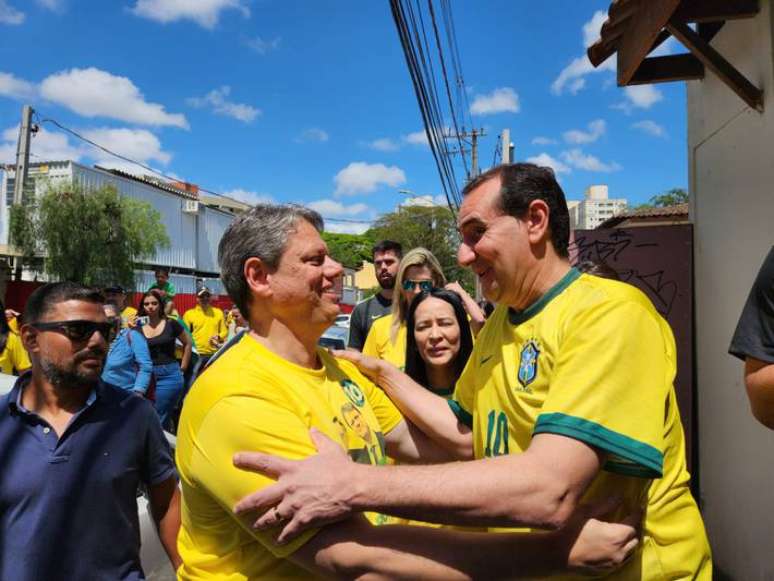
(731, 157)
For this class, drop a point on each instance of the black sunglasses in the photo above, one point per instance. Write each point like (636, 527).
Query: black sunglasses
(78, 330)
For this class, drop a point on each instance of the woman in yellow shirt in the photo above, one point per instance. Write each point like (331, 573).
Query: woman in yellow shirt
(418, 271)
(13, 356)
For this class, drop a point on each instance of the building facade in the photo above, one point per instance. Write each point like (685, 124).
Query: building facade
(595, 208)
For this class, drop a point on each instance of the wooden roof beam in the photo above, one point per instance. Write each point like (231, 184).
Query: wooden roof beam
(714, 61)
(665, 69)
(714, 10)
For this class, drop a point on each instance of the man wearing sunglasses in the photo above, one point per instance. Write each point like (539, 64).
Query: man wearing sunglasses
(75, 450)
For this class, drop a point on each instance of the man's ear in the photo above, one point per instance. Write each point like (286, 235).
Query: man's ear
(257, 275)
(29, 338)
(537, 221)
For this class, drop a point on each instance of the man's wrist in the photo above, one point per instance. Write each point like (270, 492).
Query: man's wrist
(361, 496)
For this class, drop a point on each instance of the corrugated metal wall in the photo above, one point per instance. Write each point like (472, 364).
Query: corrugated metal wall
(212, 225)
(181, 227)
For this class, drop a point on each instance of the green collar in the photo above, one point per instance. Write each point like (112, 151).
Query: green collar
(518, 317)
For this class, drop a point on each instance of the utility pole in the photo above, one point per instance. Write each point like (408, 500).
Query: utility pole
(505, 142)
(473, 136)
(22, 154)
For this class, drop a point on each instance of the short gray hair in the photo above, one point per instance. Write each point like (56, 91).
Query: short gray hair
(261, 232)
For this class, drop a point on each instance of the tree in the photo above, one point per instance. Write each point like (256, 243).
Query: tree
(671, 197)
(432, 227)
(349, 249)
(94, 237)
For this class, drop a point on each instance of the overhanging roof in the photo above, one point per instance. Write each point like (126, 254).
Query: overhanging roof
(634, 28)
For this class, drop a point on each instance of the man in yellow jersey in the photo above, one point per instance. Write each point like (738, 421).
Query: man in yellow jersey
(567, 397)
(208, 327)
(269, 388)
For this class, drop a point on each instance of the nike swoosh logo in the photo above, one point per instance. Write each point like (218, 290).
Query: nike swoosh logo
(376, 317)
(485, 359)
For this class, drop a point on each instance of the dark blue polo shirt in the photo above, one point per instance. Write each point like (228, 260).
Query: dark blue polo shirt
(68, 507)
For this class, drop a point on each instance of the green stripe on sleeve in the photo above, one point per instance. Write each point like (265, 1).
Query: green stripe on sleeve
(462, 415)
(630, 457)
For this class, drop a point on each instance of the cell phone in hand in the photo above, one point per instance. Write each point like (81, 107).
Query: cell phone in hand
(142, 321)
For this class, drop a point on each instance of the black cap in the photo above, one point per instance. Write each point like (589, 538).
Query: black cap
(115, 289)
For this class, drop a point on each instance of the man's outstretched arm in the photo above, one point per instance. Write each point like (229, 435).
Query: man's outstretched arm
(356, 549)
(539, 488)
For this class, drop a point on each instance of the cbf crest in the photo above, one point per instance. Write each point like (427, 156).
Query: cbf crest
(353, 393)
(528, 363)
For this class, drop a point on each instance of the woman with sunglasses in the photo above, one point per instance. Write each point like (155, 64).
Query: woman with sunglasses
(13, 357)
(128, 364)
(418, 271)
(161, 334)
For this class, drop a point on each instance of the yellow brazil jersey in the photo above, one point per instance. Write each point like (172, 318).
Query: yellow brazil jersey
(128, 315)
(593, 360)
(204, 324)
(13, 323)
(252, 399)
(14, 357)
(378, 343)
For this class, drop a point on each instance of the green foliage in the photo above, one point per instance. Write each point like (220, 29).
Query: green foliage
(95, 237)
(432, 227)
(349, 249)
(671, 197)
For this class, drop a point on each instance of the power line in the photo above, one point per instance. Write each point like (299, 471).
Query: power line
(161, 174)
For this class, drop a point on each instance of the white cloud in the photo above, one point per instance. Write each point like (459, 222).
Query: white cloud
(313, 134)
(206, 13)
(334, 209)
(45, 146)
(426, 201)
(650, 127)
(263, 46)
(502, 100)
(640, 97)
(217, 100)
(545, 160)
(540, 140)
(579, 160)
(363, 178)
(416, 138)
(249, 197)
(137, 144)
(572, 77)
(596, 129)
(347, 227)
(592, 28)
(384, 144)
(9, 14)
(16, 88)
(53, 5)
(95, 93)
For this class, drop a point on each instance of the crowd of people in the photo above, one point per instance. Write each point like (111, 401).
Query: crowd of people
(540, 440)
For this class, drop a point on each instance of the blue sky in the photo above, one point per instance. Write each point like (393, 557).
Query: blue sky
(311, 101)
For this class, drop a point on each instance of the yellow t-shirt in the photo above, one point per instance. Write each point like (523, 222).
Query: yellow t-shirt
(127, 315)
(594, 361)
(14, 357)
(379, 345)
(13, 323)
(252, 399)
(204, 324)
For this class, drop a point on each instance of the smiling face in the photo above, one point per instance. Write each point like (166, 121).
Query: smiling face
(303, 284)
(436, 332)
(495, 246)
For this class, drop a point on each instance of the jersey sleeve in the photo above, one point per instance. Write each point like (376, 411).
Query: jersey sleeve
(462, 402)
(357, 327)
(754, 334)
(610, 384)
(18, 355)
(254, 424)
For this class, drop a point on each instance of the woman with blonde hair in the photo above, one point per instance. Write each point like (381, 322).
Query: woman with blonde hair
(419, 271)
